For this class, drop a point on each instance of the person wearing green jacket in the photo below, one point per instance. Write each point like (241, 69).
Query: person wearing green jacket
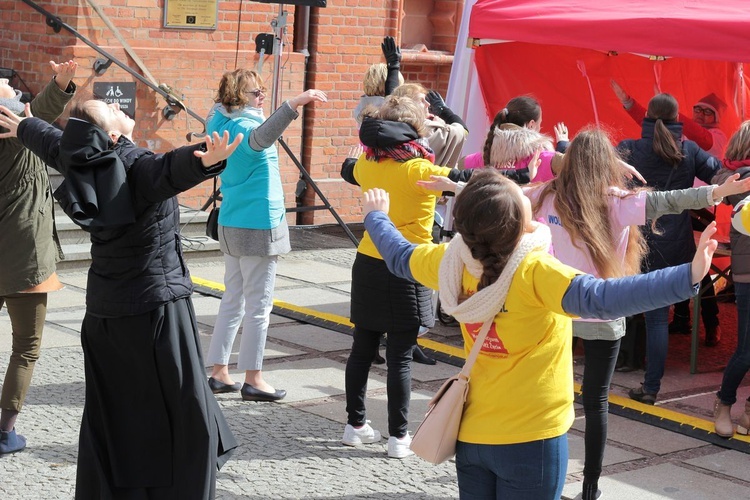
(29, 246)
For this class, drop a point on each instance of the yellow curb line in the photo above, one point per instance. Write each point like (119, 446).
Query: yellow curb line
(656, 411)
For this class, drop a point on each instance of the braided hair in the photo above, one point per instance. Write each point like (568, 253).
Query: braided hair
(490, 218)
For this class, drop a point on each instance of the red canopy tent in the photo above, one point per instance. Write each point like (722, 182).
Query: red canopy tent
(565, 53)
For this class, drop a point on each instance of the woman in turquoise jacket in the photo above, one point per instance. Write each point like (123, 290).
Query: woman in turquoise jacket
(252, 228)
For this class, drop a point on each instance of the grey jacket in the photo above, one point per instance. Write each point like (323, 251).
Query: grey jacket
(28, 247)
(740, 243)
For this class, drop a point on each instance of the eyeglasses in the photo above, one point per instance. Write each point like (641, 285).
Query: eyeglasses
(258, 92)
(705, 111)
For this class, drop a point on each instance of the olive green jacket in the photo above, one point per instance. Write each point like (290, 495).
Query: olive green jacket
(29, 249)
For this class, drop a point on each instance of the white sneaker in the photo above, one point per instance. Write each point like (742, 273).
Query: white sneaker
(363, 435)
(399, 447)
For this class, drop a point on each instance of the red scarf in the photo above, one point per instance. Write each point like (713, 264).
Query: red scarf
(735, 164)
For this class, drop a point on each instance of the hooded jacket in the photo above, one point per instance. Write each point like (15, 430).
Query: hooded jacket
(674, 243)
(135, 266)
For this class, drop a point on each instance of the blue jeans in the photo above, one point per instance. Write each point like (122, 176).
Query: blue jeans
(739, 363)
(657, 343)
(525, 471)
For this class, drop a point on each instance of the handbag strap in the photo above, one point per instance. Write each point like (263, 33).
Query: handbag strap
(478, 342)
(213, 195)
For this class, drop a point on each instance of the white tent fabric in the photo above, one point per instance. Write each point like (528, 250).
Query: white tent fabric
(464, 95)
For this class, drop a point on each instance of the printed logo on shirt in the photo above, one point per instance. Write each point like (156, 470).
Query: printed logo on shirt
(493, 345)
(554, 219)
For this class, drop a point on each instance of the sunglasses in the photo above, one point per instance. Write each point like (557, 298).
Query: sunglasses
(258, 92)
(705, 111)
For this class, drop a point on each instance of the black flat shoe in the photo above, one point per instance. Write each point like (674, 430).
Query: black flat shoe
(419, 356)
(250, 393)
(218, 387)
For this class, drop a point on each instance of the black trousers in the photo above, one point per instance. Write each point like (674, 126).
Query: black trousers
(398, 356)
(600, 359)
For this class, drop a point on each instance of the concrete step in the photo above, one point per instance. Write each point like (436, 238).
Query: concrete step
(77, 246)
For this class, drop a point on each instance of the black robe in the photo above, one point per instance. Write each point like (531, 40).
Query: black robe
(151, 427)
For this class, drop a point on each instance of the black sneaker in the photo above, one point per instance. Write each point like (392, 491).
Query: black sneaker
(642, 396)
(680, 327)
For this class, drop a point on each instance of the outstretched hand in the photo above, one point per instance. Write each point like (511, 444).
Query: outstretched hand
(218, 148)
(630, 172)
(561, 132)
(732, 186)
(437, 104)
(622, 96)
(438, 183)
(375, 199)
(703, 255)
(307, 97)
(64, 72)
(392, 52)
(10, 120)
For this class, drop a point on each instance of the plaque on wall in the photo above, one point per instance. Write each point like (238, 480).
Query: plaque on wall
(122, 93)
(191, 14)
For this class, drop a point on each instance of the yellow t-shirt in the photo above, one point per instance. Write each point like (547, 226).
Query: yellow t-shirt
(521, 385)
(412, 208)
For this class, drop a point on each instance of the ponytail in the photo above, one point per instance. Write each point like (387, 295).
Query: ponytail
(665, 145)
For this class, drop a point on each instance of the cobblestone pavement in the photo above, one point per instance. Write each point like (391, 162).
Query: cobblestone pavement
(292, 449)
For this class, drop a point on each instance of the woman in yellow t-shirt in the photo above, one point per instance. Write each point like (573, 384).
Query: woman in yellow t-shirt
(512, 441)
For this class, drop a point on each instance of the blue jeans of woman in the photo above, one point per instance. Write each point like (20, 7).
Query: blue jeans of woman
(398, 356)
(600, 359)
(739, 363)
(524, 471)
(657, 343)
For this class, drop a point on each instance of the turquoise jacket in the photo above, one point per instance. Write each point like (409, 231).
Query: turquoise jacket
(253, 197)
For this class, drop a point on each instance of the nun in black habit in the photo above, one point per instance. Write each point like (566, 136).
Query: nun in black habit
(151, 426)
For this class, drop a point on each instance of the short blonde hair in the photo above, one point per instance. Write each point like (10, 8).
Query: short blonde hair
(738, 147)
(410, 90)
(374, 81)
(235, 87)
(403, 109)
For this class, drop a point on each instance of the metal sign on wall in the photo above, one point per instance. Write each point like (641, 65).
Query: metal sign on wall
(122, 93)
(191, 14)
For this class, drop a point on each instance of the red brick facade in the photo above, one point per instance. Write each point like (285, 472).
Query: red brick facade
(343, 40)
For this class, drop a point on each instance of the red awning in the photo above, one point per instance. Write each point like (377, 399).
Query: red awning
(695, 29)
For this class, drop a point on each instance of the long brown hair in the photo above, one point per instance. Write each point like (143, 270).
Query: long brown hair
(519, 111)
(489, 216)
(661, 108)
(582, 191)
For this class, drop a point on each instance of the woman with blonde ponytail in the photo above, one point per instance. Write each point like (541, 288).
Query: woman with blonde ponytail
(667, 162)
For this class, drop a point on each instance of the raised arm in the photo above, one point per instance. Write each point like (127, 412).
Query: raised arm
(660, 203)
(158, 177)
(590, 297)
(269, 131)
(392, 54)
(51, 101)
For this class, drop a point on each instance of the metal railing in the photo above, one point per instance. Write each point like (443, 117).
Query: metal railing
(174, 103)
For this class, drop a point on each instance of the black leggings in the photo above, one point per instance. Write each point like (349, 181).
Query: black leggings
(600, 359)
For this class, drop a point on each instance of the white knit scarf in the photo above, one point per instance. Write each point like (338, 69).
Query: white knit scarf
(486, 303)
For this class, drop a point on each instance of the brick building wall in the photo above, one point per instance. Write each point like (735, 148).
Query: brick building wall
(344, 39)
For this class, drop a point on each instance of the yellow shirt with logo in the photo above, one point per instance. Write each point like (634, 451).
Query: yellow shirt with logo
(521, 386)
(412, 208)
